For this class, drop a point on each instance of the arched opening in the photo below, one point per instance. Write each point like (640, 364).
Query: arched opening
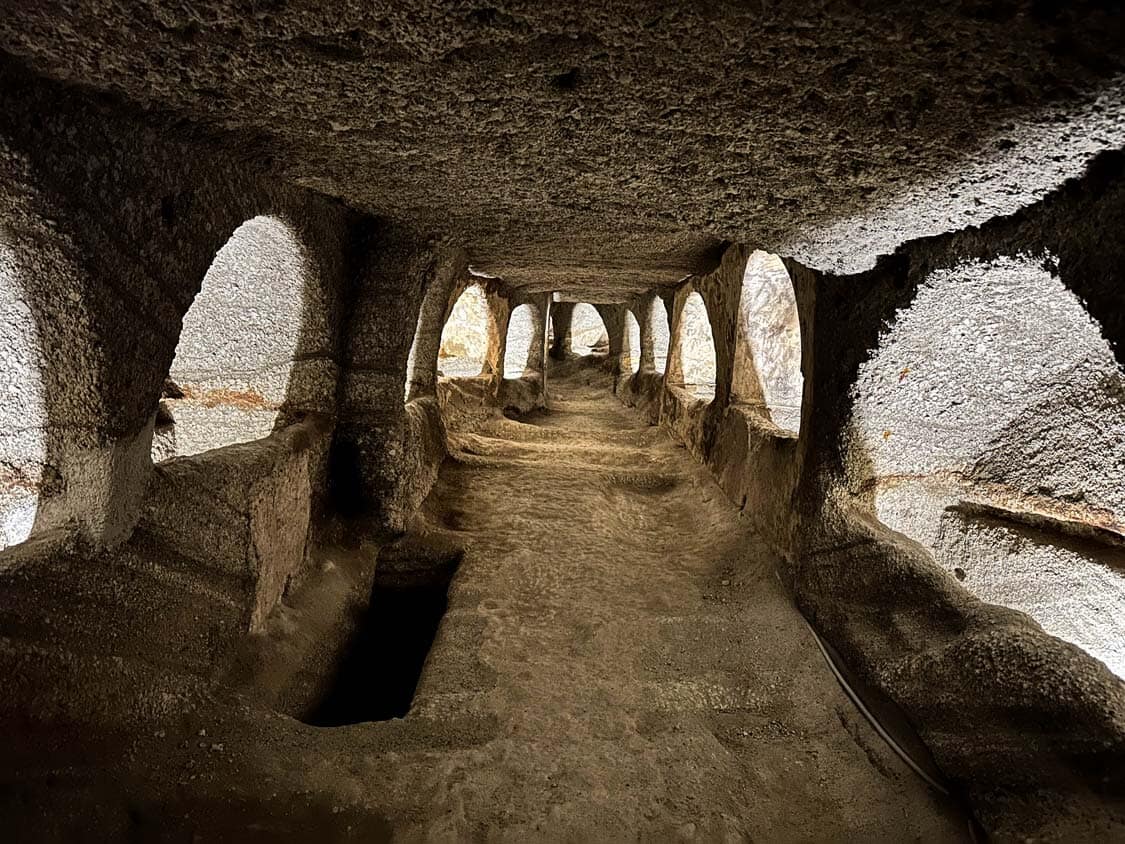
(767, 371)
(464, 338)
(989, 425)
(521, 334)
(631, 353)
(233, 362)
(23, 416)
(697, 349)
(661, 334)
(588, 335)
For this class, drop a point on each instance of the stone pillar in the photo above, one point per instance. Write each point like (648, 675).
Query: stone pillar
(536, 356)
(97, 344)
(561, 315)
(450, 269)
(614, 318)
(386, 451)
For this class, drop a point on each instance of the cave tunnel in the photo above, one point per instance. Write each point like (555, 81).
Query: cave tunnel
(590, 422)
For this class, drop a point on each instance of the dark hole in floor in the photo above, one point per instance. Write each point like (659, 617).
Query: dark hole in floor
(379, 672)
(345, 481)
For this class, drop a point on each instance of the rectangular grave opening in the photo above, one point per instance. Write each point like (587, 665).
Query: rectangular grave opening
(379, 671)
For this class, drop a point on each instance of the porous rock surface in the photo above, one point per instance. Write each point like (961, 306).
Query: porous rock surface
(612, 148)
(915, 445)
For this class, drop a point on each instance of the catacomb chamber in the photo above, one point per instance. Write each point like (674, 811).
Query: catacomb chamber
(447, 423)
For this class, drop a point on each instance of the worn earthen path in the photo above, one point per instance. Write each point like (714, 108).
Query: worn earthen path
(647, 677)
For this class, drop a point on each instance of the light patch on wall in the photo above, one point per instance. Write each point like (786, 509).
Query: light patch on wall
(464, 338)
(1075, 589)
(235, 355)
(661, 334)
(631, 354)
(521, 333)
(473, 271)
(1005, 178)
(771, 327)
(697, 348)
(994, 393)
(23, 417)
(411, 356)
(587, 331)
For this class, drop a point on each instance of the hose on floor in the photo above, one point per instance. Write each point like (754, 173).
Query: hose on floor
(854, 697)
(976, 833)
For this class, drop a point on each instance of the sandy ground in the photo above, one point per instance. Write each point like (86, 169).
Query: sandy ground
(616, 619)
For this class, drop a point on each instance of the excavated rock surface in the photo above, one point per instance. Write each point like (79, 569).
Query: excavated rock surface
(610, 147)
(647, 672)
(617, 661)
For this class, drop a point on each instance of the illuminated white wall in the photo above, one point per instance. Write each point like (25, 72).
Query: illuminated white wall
(697, 348)
(771, 327)
(23, 417)
(631, 354)
(587, 331)
(661, 334)
(989, 422)
(464, 339)
(236, 348)
(521, 333)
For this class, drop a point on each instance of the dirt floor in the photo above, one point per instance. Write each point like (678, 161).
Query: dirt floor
(617, 662)
(615, 618)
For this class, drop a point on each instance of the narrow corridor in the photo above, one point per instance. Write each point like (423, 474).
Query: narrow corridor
(516, 422)
(647, 673)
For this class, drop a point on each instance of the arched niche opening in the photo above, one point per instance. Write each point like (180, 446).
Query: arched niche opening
(521, 335)
(661, 334)
(588, 335)
(23, 415)
(631, 353)
(697, 349)
(767, 371)
(988, 424)
(463, 352)
(235, 356)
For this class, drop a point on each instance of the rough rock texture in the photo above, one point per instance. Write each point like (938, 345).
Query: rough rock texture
(994, 389)
(631, 348)
(693, 365)
(466, 336)
(694, 688)
(1045, 711)
(1029, 727)
(244, 509)
(373, 443)
(441, 292)
(388, 453)
(613, 147)
(956, 464)
(738, 442)
(524, 347)
(23, 435)
(256, 344)
(108, 272)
